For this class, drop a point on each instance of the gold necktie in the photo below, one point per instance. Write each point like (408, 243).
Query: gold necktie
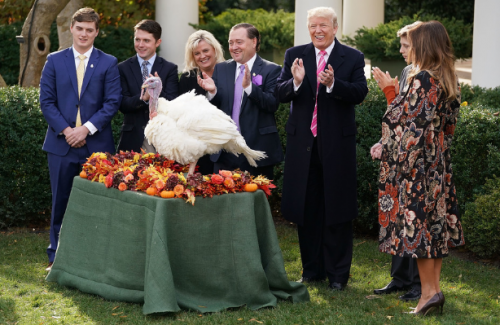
(80, 71)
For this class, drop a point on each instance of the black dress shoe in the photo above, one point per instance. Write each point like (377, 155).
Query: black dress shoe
(309, 280)
(390, 288)
(413, 294)
(336, 286)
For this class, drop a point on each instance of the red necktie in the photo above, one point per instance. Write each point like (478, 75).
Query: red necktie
(321, 67)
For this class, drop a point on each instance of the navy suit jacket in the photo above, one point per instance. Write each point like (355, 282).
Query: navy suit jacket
(135, 111)
(257, 121)
(336, 138)
(99, 100)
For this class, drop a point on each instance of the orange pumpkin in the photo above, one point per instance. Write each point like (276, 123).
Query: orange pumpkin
(151, 191)
(167, 194)
(250, 187)
(83, 174)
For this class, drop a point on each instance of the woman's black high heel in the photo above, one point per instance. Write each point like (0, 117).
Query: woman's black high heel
(437, 301)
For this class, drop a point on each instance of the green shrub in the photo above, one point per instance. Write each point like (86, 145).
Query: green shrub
(481, 220)
(482, 96)
(25, 191)
(276, 28)
(475, 150)
(9, 52)
(382, 42)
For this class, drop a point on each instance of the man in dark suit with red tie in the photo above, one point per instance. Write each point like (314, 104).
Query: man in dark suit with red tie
(243, 88)
(323, 80)
(133, 72)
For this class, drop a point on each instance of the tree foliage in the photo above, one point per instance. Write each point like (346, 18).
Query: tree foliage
(458, 9)
(382, 42)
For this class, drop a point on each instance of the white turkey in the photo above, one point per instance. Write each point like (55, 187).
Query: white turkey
(189, 127)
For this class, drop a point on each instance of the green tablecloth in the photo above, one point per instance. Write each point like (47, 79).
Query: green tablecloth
(127, 246)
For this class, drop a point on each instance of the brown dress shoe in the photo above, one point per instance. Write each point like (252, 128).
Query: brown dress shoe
(49, 267)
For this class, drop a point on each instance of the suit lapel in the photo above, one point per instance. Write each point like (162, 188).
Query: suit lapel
(229, 77)
(135, 70)
(71, 67)
(157, 65)
(336, 58)
(309, 59)
(91, 66)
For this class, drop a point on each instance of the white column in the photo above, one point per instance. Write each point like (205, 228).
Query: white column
(174, 17)
(301, 8)
(359, 13)
(486, 44)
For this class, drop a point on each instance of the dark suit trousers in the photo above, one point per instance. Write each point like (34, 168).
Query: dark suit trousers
(228, 161)
(404, 272)
(326, 251)
(62, 170)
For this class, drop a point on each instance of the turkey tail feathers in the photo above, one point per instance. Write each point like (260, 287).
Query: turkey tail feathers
(251, 155)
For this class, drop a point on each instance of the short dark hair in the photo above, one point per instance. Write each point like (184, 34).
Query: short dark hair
(252, 33)
(86, 15)
(149, 26)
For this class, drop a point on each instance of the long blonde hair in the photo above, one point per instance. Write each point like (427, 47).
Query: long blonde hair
(431, 51)
(193, 41)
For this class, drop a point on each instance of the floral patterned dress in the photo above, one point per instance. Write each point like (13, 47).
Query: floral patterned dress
(418, 212)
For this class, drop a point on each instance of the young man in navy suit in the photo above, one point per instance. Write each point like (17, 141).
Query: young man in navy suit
(323, 80)
(244, 89)
(79, 95)
(133, 71)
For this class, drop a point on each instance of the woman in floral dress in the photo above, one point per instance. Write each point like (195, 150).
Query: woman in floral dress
(418, 212)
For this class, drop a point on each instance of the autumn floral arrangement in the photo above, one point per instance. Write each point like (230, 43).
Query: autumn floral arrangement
(158, 176)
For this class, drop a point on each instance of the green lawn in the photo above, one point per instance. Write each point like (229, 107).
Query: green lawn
(472, 293)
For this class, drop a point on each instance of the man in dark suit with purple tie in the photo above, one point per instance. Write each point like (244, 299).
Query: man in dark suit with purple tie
(243, 88)
(79, 95)
(323, 80)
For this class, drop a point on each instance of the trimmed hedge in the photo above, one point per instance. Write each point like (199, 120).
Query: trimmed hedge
(481, 221)
(25, 192)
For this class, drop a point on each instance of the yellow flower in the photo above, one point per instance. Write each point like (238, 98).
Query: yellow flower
(464, 104)
(101, 178)
(181, 177)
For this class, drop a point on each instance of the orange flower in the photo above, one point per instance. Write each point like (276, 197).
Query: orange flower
(122, 186)
(108, 181)
(178, 189)
(228, 182)
(217, 179)
(129, 178)
(225, 173)
(160, 184)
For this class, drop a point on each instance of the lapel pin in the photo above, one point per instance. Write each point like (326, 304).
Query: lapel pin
(91, 65)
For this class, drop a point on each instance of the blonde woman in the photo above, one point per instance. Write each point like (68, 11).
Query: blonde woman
(202, 53)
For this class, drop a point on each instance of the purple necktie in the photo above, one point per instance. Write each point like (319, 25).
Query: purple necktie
(238, 91)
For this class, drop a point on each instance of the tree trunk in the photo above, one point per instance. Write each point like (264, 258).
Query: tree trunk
(2, 82)
(38, 43)
(64, 22)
